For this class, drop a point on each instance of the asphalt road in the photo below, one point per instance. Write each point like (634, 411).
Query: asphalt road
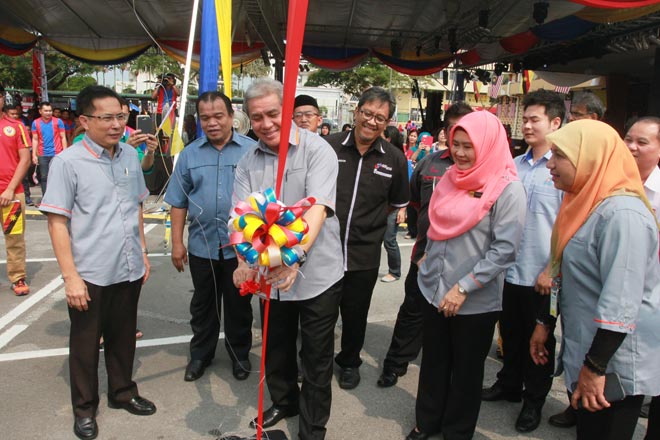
(35, 384)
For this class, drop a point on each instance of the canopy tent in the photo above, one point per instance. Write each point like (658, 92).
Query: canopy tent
(416, 37)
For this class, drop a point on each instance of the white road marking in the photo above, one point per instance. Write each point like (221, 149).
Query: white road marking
(10, 334)
(52, 259)
(147, 228)
(31, 301)
(36, 354)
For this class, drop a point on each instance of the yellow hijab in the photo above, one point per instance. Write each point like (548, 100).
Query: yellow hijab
(604, 168)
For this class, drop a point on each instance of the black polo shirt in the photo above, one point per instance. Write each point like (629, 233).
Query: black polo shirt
(426, 176)
(368, 187)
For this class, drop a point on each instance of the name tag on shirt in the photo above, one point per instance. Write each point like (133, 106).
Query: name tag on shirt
(384, 170)
(554, 296)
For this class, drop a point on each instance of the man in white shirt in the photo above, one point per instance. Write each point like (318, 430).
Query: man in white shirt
(643, 141)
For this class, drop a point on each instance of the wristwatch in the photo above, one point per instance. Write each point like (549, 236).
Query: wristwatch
(461, 290)
(301, 253)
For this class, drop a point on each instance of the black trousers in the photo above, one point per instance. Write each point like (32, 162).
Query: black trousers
(214, 285)
(617, 422)
(411, 221)
(317, 317)
(407, 336)
(653, 427)
(354, 308)
(517, 323)
(112, 312)
(452, 372)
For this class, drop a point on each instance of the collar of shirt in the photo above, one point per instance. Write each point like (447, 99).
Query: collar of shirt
(294, 139)
(97, 151)
(653, 181)
(652, 186)
(204, 142)
(529, 157)
(349, 141)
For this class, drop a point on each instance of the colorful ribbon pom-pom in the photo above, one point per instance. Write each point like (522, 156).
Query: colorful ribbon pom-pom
(264, 230)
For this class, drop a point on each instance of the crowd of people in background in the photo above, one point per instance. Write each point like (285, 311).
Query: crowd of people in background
(521, 241)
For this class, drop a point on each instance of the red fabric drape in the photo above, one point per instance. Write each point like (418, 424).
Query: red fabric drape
(616, 3)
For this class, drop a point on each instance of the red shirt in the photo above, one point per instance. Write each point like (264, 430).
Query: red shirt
(13, 138)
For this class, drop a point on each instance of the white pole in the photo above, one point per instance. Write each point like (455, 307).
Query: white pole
(186, 72)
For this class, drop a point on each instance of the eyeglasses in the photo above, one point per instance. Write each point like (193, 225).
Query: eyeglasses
(379, 119)
(308, 115)
(107, 119)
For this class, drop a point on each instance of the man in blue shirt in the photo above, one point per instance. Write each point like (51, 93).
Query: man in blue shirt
(201, 188)
(544, 112)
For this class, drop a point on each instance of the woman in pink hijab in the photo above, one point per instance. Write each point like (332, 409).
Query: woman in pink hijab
(477, 213)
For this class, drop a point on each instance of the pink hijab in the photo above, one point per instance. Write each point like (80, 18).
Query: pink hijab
(463, 197)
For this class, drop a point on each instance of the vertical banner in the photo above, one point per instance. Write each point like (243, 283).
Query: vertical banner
(527, 82)
(39, 78)
(209, 57)
(176, 143)
(295, 31)
(223, 17)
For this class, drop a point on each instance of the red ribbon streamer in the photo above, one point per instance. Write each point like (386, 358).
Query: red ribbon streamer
(297, 18)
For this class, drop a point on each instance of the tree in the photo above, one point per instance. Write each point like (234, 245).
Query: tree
(370, 73)
(79, 82)
(157, 63)
(16, 71)
(255, 69)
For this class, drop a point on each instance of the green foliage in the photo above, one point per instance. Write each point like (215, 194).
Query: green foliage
(129, 90)
(60, 68)
(370, 73)
(255, 69)
(79, 82)
(16, 72)
(157, 63)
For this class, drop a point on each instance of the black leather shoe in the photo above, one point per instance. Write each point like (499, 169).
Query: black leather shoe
(496, 392)
(85, 428)
(137, 405)
(417, 435)
(241, 369)
(195, 369)
(528, 419)
(565, 419)
(273, 415)
(349, 378)
(387, 379)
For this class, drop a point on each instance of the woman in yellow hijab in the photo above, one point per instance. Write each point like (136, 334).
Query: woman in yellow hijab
(605, 251)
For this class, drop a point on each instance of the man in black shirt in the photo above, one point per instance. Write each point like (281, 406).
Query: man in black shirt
(407, 336)
(372, 181)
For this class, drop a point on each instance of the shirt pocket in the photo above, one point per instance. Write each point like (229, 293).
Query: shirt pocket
(294, 185)
(543, 202)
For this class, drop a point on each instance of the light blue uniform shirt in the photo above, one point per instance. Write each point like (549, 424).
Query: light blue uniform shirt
(611, 280)
(203, 183)
(478, 258)
(101, 197)
(311, 171)
(543, 202)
